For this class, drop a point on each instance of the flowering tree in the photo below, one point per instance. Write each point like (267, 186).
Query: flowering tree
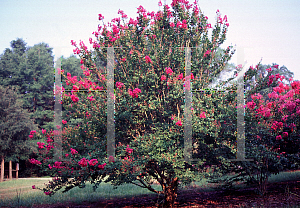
(272, 136)
(151, 80)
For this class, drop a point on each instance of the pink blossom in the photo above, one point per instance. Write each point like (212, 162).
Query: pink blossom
(269, 69)
(134, 93)
(74, 98)
(93, 162)
(57, 164)
(66, 155)
(41, 144)
(91, 98)
(64, 122)
(49, 140)
(202, 115)
(163, 77)
(172, 24)
(178, 123)
(87, 73)
(73, 151)
(47, 192)
(169, 70)
(285, 134)
(102, 166)
(34, 161)
(119, 85)
(276, 66)
(33, 187)
(251, 105)
(129, 150)
(83, 162)
(43, 131)
(159, 3)
(101, 17)
(227, 24)
(30, 136)
(207, 53)
(180, 76)
(50, 167)
(278, 137)
(148, 60)
(33, 132)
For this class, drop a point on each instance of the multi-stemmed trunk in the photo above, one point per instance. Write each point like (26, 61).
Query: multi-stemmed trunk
(170, 193)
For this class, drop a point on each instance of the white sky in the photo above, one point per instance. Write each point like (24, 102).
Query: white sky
(265, 29)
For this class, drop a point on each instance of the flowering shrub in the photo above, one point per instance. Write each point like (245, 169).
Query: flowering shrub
(271, 137)
(149, 104)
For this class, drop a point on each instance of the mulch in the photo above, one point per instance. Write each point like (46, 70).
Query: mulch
(276, 197)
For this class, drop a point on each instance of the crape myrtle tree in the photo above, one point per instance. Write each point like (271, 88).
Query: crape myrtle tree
(149, 104)
(271, 130)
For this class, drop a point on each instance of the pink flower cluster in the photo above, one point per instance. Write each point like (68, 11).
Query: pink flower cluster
(277, 125)
(182, 25)
(41, 144)
(83, 162)
(34, 161)
(31, 134)
(119, 85)
(73, 151)
(129, 150)
(74, 98)
(101, 17)
(169, 70)
(202, 115)
(91, 98)
(134, 93)
(207, 53)
(178, 123)
(148, 60)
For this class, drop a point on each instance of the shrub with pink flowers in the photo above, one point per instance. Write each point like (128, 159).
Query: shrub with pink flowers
(149, 104)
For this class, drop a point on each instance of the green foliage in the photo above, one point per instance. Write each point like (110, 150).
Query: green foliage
(145, 123)
(15, 125)
(30, 69)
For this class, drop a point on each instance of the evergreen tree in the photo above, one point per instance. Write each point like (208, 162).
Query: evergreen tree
(30, 70)
(15, 126)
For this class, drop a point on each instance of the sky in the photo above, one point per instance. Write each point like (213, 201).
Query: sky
(265, 30)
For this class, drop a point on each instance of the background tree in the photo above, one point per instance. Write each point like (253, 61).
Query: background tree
(31, 70)
(15, 126)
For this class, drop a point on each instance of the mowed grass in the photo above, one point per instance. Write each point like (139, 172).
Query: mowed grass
(20, 193)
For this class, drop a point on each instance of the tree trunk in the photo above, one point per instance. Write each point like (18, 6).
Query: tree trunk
(10, 170)
(2, 169)
(170, 193)
(17, 170)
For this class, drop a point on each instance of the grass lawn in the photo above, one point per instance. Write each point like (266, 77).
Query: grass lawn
(20, 193)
